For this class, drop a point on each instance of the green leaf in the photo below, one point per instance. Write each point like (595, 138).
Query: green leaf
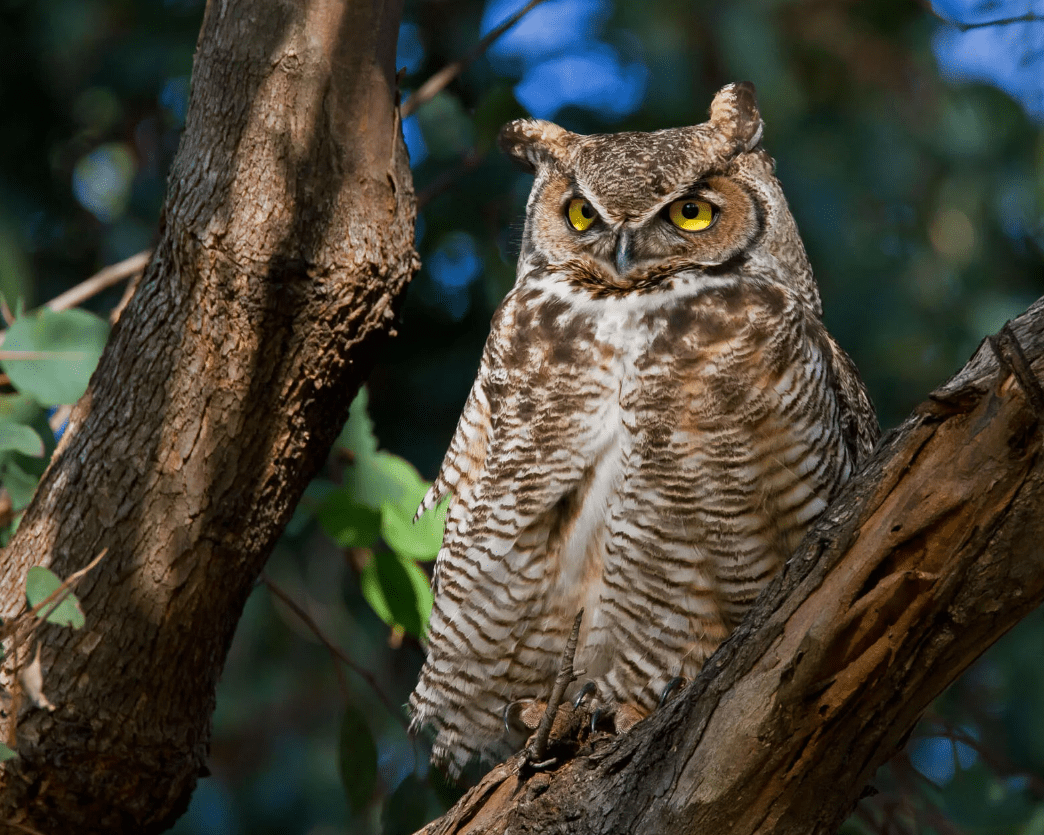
(19, 408)
(357, 759)
(7, 753)
(398, 591)
(40, 583)
(420, 540)
(72, 341)
(357, 434)
(348, 523)
(20, 484)
(385, 478)
(17, 437)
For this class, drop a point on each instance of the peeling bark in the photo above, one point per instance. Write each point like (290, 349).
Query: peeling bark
(286, 243)
(925, 559)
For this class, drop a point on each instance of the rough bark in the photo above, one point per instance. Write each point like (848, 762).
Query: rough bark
(928, 557)
(286, 241)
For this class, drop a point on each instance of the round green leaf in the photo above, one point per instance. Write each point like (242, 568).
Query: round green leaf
(68, 344)
(398, 591)
(21, 485)
(19, 408)
(420, 540)
(384, 477)
(357, 434)
(357, 759)
(17, 437)
(40, 583)
(349, 524)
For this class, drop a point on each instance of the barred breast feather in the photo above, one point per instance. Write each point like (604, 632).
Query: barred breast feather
(653, 460)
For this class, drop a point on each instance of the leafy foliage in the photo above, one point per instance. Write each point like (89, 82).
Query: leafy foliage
(40, 584)
(62, 349)
(48, 357)
(375, 505)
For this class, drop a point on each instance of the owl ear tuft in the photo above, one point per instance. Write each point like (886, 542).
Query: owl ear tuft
(734, 112)
(533, 143)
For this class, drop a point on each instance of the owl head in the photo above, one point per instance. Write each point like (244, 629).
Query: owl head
(635, 212)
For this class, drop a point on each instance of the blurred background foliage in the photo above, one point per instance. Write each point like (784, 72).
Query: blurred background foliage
(913, 158)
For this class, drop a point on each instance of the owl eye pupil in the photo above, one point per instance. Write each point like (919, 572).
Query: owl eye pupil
(587, 211)
(690, 210)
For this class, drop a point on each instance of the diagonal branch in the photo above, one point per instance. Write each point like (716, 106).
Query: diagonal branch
(438, 82)
(1028, 17)
(101, 280)
(927, 557)
(337, 652)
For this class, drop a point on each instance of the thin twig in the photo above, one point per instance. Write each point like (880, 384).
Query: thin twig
(128, 292)
(21, 827)
(538, 747)
(334, 650)
(40, 355)
(1028, 17)
(101, 280)
(53, 600)
(60, 416)
(1012, 358)
(434, 85)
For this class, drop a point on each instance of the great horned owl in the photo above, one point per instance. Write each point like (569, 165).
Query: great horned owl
(659, 416)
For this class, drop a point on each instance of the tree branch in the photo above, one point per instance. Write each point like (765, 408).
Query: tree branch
(927, 557)
(438, 82)
(337, 652)
(1028, 17)
(285, 246)
(101, 280)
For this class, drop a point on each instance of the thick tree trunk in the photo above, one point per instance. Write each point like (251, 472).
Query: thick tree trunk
(928, 556)
(287, 240)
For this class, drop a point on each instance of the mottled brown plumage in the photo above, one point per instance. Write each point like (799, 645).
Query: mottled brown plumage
(659, 416)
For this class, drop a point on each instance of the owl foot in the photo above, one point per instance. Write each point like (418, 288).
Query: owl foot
(609, 716)
(524, 717)
(587, 690)
(676, 683)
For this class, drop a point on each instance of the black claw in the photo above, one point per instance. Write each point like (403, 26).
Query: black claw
(595, 717)
(585, 691)
(504, 717)
(672, 685)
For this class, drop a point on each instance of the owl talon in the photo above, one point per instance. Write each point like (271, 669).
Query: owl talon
(675, 683)
(522, 715)
(585, 691)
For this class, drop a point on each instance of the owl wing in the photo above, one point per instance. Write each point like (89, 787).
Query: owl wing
(857, 414)
(523, 443)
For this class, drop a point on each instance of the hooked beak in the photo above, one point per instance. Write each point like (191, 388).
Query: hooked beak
(624, 252)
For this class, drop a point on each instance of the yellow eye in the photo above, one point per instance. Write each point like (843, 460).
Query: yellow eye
(580, 214)
(691, 215)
